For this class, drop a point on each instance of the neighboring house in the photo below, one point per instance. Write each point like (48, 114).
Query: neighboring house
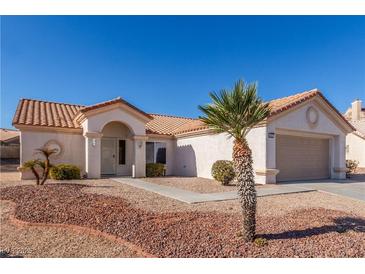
(9, 143)
(303, 138)
(355, 141)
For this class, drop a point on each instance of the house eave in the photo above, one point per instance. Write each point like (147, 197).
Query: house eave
(48, 129)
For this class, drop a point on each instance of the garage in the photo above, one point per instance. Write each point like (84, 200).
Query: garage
(302, 158)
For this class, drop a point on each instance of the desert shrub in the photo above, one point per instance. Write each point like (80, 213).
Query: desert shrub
(65, 172)
(223, 171)
(154, 169)
(351, 166)
(260, 242)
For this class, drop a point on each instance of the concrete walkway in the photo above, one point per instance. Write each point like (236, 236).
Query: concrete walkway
(195, 197)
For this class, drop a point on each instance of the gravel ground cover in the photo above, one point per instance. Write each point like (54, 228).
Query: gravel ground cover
(43, 241)
(267, 206)
(312, 232)
(196, 184)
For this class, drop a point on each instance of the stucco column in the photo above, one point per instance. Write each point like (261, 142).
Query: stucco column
(140, 155)
(269, 170)
(339, 163)
(93, 154)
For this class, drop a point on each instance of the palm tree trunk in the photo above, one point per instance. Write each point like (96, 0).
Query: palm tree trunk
(35, 173)
(242, 162)
(45, 171)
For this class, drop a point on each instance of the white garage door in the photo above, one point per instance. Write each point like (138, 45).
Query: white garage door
(301, 158)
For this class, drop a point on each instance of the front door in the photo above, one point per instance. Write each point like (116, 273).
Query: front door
(108, 155)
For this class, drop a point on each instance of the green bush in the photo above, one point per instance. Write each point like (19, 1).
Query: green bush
(223, 171)
(154, 170)
(65, 172)
(351, 166)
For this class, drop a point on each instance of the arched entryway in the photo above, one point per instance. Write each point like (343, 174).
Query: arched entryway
(117, 149)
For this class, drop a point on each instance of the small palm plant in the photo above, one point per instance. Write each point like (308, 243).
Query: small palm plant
(33, 165)
(46, 165)
(236, 112)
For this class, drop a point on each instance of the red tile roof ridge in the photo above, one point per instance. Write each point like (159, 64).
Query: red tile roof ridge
(173, 116)
(51, 102)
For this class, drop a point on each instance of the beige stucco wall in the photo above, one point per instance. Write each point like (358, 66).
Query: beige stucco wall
(195, 155)
(356, 149)
(295, 123)
(95, 124)
(186, 156)
(73, 151)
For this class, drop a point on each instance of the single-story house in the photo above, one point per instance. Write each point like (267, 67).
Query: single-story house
(355, 141)
(9, 143)
(303, 138)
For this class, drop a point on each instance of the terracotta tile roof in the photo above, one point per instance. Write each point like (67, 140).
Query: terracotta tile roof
(111, 102)
(193, 126)
(49, 114)
(279, 105)
(166, 124)
(8, 134)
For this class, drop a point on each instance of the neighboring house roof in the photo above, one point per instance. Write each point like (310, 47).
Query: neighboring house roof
(360, 128)
(359, 125)
(358, 133)
(348, 114)
(50, 114)
(8, 135)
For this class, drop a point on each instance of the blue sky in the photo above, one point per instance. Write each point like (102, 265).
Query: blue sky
(169, 64)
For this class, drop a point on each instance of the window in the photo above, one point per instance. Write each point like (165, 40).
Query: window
(161, 155)
(150, 152)
(122, 152)
(156, 152)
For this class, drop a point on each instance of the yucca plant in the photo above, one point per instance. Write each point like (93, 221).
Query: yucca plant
(236, 112)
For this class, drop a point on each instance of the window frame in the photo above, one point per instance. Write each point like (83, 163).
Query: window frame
(155, 150)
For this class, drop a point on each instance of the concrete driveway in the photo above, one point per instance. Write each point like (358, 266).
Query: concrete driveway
(353, 188)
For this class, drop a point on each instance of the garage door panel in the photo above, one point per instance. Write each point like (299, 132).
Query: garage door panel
(301, 158)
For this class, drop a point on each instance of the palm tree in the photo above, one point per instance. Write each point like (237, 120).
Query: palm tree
(46, 165)
(33, 165)
(236, 112)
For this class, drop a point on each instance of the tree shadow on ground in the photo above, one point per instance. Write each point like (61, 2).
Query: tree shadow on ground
(340, 225)
(5, 254)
